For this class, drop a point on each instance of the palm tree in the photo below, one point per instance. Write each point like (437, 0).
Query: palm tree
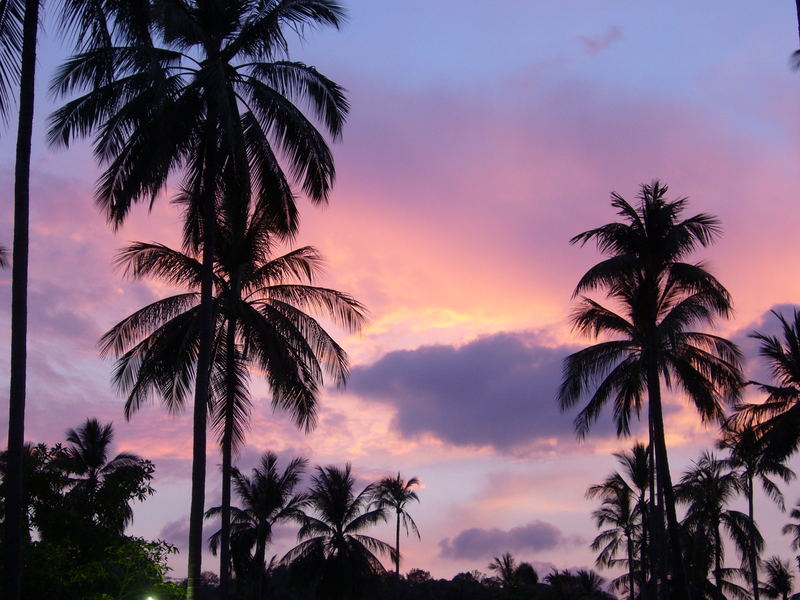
(777, 419)
(333, 551)
(268, 499)
(580, 585)
(794, 528)
(506, 568)
(617, 511)
(707, 488)
(199, 87)
(260, 305)
(749, 459)
(779, 579)
(102, 486)
(660, 297)
(393, 494)
(19, 25)
(636, 467)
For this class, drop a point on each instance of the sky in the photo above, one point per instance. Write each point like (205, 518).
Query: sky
(482, 137)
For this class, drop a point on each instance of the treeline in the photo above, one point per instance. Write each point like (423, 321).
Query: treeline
(77, 505)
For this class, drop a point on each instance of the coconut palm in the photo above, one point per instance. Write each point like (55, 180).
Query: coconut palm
(779, 579)
(394, 494)
(660, 297)
(636, 469)
(793, 529)
(205, 89)
(333, 551)
(19, 24)
(505, 566)
(706, 489)
(580, 585)
(100, 485)
(617, 512)
(268, 498)
(747, 456)
(260, 303)
(777, 419)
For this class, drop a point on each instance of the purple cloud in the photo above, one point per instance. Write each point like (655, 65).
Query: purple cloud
(477, 543)
(499, 390)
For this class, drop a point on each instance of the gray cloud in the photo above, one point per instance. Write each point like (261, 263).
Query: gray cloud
(480, 543)
(498, 390)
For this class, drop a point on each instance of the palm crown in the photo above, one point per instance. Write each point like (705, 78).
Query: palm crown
(171, 72)
(777, 419)
(267, 499)
(334, 549)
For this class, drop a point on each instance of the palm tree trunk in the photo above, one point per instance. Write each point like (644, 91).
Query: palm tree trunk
(259, 560)
(19, 307)
(227, 452)
(680, 584)
(643, 549)
(397, 547)
(718, 562)
(206, 319)
(797, 8)
(631, 585)
(753, 553)
(657, 579)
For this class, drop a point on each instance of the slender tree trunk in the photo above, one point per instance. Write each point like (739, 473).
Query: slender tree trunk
(679, 583)
(644, 549)
(227, 450)
(260, 559)
(206, 318)
(797, 8)
(631, 577)
(753, 552)
(657, 580)
(19, 308)
(397, 547)
(718, 562)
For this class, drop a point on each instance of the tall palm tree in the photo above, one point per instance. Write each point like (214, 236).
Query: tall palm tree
(779, 579)
(333, 550)
(618, 512)
(204, 88)
(394, 494)
(707, 488)
(660, 297)
(260, 303)
(267, 499)
(777, 419)
(19, 25)
(747, 456)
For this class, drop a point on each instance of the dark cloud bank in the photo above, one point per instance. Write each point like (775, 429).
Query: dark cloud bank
(498, 390)
(477, 543)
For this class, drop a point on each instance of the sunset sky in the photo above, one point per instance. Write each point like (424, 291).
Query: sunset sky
(482, 137)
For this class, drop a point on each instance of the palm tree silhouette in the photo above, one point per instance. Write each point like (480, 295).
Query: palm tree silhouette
(747, 456)
(618, 511)
(707, 488)
(779, 579)
(660, 297)
(506, 568)
(636, 467)
(260, 305)
(777, 419)
(200, 88)
(333, 551)
(393, 494)
(267, 499)
(101, 485)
